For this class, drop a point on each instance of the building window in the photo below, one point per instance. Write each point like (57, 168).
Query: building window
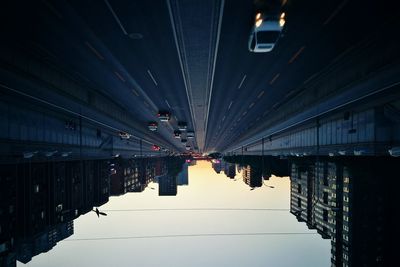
(345, 237)
(299, 202)
(299, 188)
(36, 188)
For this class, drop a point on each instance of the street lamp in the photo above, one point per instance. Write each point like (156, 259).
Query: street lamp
(270, 186)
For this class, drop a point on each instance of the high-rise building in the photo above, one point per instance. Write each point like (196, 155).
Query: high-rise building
(183, 176)
(348, 204)
(252, 176)
(302, 185)
(216, 165)
(320, 199)
(167, 185)
(335, 179)
(230, 170)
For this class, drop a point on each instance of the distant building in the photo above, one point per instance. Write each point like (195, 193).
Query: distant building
(252, 176)
(167, 185)
(183, 176)
(125, 178)
(230, 170)
(44, 241)
(217, 166)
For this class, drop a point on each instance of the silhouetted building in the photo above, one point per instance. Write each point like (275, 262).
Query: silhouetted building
(321, 199)
(160, 167)
(146, 173)
(252, 176)
(40, 200)
(335, 180)
(349, 204)
(301, 201)
(183, 176)
(216, 165)
(7, 215)
(167, 185)
(230, 170)
(125, 177)
(43, 241)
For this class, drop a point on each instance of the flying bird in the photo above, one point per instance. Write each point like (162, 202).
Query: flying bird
(99, 212)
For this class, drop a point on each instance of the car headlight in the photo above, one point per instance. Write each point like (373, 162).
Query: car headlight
(258, 16)
(281, 22)
(258, 22)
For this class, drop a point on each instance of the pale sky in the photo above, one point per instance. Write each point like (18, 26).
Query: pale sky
(206, 190)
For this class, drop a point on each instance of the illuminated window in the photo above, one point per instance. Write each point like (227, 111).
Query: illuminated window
(36, 188)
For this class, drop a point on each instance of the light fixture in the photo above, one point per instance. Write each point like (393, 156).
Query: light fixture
(281, 22)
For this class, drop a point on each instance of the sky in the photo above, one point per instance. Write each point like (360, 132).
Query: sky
(134, 234)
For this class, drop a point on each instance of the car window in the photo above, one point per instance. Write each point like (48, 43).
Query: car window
(267, 37)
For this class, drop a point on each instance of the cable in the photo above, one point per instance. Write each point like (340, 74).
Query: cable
(197, 209)
(188, 235)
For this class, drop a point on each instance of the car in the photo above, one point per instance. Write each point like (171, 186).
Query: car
(182, 126)
(164, 115)
(177, 134)
(152, 125)
(155, 148)
(190, 134)
(124, 135)
(266, 31)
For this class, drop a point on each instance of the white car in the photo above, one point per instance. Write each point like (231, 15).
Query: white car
(190, 134)
(124, 135)
(266, 31)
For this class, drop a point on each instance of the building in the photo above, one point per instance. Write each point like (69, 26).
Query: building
(230, 170)
(352, 202)
(321, 206)
(167, 185)
(302, 185)
(252, 176)
(183, 176)
(216, 165)
(125, 177)
(40, 201)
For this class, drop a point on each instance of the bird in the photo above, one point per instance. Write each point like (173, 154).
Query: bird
(99, 212)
